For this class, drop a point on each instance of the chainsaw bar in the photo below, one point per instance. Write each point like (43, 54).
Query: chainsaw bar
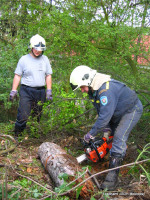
(81, 158)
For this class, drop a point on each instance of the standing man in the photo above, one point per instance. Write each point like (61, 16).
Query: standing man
(34, 71)
(118, 108)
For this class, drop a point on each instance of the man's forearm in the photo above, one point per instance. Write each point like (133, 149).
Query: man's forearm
(16, 82)
(49, 82)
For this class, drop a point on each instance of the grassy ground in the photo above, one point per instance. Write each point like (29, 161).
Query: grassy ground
(26, 178)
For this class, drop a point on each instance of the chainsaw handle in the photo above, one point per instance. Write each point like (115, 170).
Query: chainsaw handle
(84, 143)
(93, 145)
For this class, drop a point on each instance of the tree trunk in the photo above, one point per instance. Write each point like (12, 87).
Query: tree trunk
(56, 161)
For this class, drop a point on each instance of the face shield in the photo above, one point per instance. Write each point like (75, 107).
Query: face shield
(40, 46)
(74, 87)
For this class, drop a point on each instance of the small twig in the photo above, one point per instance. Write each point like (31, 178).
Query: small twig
(78, 177)
(7, 150)
(12, 147)
(8, 136)
(55, 102)
(6, 181)
(2, 165)
(16, 192)
(94, 180)
(66, 99)
(2, 191)
(44, 197)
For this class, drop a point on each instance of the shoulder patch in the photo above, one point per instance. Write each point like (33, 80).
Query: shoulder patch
(104, 100)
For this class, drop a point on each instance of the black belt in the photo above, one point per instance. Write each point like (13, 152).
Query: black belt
(36, 88)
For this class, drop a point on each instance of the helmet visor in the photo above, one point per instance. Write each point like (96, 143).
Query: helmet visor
(74, 87)
(40, 47)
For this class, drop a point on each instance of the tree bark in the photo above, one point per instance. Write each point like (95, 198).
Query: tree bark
(56, 161)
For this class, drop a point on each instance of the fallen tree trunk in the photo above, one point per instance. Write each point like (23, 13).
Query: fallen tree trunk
(57, 161)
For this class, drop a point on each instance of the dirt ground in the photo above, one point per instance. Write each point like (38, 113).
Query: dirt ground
(23, 160)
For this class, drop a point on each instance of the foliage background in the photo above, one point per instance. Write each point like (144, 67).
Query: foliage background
(106, 35)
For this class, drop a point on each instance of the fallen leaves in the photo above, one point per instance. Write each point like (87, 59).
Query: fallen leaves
(68, 141)
(26, 161)
(29, 169)
(33, 170)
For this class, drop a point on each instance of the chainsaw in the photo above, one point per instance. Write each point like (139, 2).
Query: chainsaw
(96, 149)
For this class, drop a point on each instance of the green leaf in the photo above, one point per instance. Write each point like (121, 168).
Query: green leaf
(63, 176)
(92, 198)
(78, 190)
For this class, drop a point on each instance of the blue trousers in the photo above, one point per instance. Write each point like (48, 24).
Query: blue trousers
(29, 98)
(123, 127)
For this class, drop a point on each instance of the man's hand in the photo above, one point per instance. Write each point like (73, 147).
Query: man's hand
(49, 95)
(106, 133)
(13, 95)
(88, 137)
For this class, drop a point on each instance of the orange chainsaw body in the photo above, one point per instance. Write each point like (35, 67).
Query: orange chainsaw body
(101, 150)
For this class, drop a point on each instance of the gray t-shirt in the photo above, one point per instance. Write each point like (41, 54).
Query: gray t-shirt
(33, 70)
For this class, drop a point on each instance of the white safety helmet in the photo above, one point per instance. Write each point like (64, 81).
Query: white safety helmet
(37, 42)
(81, 76)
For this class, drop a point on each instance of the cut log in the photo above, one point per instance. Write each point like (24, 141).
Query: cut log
(56, 161)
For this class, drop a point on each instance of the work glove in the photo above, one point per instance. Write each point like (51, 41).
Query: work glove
(13, 95)
(49, 95)
(88, 137)
(106, 133)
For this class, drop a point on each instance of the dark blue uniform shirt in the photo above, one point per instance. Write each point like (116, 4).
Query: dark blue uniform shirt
(111, 103)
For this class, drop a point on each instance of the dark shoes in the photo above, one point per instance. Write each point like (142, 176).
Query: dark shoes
(111, 180)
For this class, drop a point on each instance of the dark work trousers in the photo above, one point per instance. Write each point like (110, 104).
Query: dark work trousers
(123, 127)
(29, 98)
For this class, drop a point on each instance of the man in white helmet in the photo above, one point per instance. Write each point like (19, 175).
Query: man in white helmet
(118, 108)
(34, 71)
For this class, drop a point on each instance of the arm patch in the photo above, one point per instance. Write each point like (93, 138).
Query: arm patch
(104, 100)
